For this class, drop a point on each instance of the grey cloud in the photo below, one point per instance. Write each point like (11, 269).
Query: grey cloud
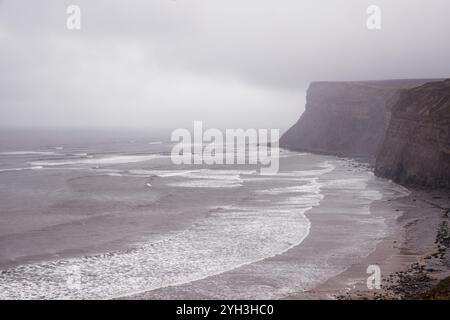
(166, 62)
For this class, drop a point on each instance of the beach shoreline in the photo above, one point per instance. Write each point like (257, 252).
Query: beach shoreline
(337, 222)
(413, 257)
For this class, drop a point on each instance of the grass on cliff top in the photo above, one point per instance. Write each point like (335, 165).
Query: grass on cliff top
(440, 292)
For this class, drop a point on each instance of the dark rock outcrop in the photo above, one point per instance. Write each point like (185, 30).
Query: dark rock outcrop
(416, 146)
(345, 118)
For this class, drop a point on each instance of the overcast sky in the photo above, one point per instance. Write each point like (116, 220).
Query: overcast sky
(166, 63)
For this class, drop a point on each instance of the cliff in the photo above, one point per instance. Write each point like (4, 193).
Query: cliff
(345, 118)
(402, 126)
(416, 146)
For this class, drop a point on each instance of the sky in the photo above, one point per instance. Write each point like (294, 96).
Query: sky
(228, 63)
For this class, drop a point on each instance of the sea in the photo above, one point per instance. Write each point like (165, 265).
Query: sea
(105, 214)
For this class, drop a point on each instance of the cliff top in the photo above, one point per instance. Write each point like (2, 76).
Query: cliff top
(431, 100)
(382, 84)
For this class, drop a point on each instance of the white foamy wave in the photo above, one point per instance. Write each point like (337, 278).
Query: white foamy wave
(227, 172)
(204, 183)
(372, 194)
(213, 178)
(226, 240)
(160, 173)
(327, 168)
(21, 169)
(210, 174)
(100, 161)
(114, 174)
(26, 153)
(349, 183)
(304, 200)
(287, 154)
(310, 185)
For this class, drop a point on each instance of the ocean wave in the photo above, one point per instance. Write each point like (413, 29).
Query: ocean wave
(326, 166)
(111, 160)
(213, 178)
(229, 237)
(160, 173)
(211, 183)
(208, 174)
(26, 153)
(21, 169)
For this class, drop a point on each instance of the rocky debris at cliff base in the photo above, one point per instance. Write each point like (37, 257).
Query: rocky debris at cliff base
(422, 279)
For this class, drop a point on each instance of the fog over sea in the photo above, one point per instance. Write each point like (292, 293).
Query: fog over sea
(105, 214)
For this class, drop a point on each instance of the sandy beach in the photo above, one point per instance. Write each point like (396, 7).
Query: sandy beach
(413, 257)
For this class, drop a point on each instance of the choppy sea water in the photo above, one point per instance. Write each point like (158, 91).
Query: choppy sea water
(118, 219)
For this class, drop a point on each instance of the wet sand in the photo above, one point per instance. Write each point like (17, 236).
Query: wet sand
(412, 258)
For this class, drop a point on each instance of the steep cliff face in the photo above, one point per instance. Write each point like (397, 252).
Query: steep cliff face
(345, 118)
(416, 146)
